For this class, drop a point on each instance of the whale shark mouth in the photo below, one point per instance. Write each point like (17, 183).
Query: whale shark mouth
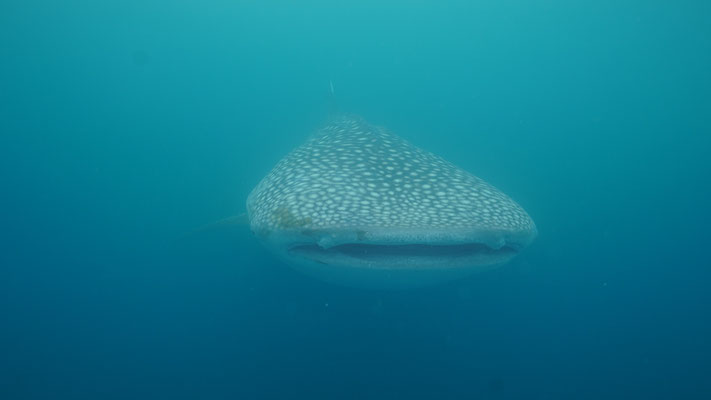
(406, 256)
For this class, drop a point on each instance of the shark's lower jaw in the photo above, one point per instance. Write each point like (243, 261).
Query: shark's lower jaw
(396, 265)
(411, 256)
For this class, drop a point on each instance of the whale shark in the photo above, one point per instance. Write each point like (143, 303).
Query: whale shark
(360, 206)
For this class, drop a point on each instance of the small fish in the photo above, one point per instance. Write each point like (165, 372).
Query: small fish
(360, 206)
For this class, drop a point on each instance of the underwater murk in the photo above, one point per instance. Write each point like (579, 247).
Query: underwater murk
(287, 200)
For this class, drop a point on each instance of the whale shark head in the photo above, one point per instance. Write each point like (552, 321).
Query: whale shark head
(358, 205)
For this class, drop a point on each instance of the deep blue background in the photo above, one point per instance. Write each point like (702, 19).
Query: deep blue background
(125, 125)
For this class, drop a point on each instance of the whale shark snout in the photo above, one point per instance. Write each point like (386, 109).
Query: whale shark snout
(360, 206)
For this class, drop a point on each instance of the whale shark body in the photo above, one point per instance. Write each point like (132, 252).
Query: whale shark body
(360, 206)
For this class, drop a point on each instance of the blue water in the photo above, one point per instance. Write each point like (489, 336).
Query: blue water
(126, 125)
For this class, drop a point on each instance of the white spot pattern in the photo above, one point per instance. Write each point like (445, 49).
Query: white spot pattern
(355, 175)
